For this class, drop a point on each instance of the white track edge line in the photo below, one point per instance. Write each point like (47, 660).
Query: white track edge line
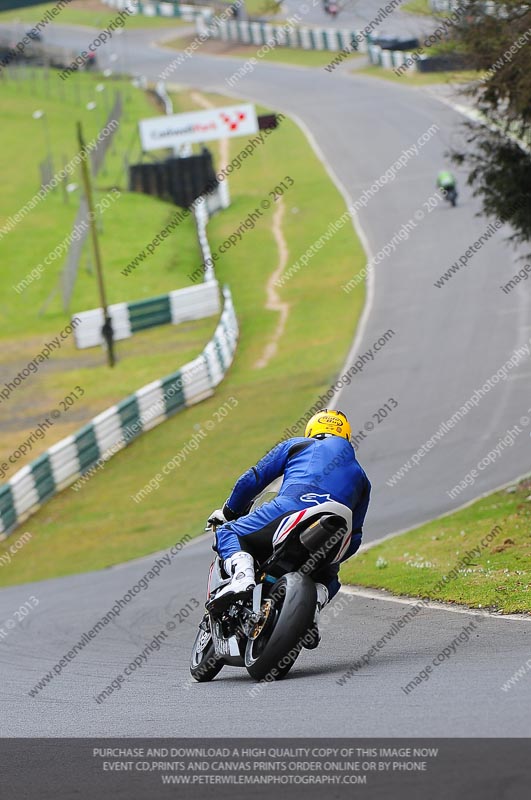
(381, 594)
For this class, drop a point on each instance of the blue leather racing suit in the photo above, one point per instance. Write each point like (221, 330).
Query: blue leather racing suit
(315, 471)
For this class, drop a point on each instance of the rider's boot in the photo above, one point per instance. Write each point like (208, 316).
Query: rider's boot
(241, 567)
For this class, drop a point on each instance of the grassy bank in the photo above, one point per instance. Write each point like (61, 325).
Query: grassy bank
(92, 13)
(418, 7)
(414, 78)
(126, 226)
(101, 524)
(498, 576)
(32, 312)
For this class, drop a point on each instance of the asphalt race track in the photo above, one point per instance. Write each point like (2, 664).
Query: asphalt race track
(357, 14)
(462, 697)
(447, 342)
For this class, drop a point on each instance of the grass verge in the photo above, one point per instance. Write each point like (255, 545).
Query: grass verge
(419, 78)
(126, 226)
(91, 13)
(498, 576)
(418, 7)
(101, 524)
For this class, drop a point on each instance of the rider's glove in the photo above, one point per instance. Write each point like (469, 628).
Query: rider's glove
(216, 519)
(220, 516)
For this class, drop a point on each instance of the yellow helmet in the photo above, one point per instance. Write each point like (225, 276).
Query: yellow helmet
(328, 421)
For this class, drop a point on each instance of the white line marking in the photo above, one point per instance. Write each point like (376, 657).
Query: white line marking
(379, 594)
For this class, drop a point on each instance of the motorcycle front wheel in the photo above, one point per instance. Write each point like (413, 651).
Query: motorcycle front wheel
(204, 664)
(273, 652)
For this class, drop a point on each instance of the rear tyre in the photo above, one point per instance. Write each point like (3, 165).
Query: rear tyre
(274, 651)
(204, 664)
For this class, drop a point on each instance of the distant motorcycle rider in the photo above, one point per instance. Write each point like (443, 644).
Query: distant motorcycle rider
(447, 182)
(331, 7)
(319, 467)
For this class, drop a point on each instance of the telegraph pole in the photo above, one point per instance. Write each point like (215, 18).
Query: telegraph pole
(107, 331)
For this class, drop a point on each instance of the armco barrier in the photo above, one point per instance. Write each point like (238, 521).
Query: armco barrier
(118, 426)
(194, 302)
(261, 33)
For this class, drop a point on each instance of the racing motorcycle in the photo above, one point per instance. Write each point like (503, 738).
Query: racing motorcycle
(264, 630)
(451, 195)
(449, 192)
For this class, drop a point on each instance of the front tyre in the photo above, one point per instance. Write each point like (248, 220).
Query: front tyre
(204, 664)
(273, 652)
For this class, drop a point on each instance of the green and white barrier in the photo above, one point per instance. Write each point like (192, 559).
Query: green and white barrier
(203, 210)
(118, 426)
(245, 31)
(179, 10)
(194, 302)
(262, 33)
(389, 59)
(442, 6)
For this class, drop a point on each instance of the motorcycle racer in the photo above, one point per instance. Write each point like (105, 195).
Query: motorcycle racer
(317, 468)
(446, 180)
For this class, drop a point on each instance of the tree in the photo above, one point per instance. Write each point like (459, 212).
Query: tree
(496, 39)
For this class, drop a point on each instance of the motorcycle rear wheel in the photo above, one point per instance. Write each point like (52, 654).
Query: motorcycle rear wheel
(274, 651)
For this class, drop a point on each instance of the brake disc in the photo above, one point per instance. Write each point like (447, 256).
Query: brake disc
(265, 610)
